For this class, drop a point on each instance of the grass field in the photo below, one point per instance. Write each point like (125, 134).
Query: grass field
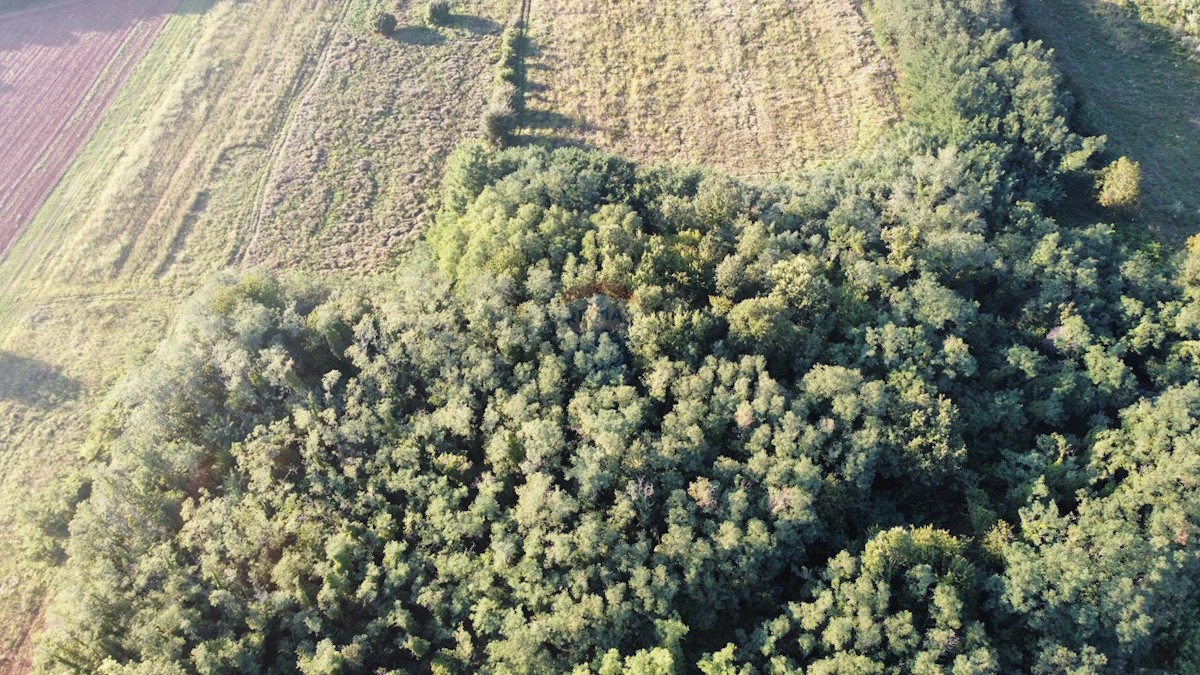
(353, 170)
(285, 133)
(756, 89)
(1133, 81)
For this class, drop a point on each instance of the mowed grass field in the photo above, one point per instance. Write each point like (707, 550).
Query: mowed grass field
(1135, 82)
(757, 89)
(287, 134)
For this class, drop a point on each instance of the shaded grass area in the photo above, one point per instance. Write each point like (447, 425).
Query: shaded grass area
(1134, 82)
(206, 159)
(54, 362)
(33, 382)
(755, 89)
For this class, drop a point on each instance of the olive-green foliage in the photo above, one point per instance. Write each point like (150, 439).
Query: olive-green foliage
(1115, 578)
(889, 418)
(966, 80)
(437, 13)
(509, 63)
(384, 23)
(907, 604)
(654, 420)
(507, 98)
(1120, 185)
(499, 122)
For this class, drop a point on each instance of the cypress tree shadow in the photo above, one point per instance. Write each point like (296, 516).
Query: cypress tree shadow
(542, 126)
(34, 382)
(417, 35)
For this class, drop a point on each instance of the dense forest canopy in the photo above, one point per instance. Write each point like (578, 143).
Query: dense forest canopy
(886, 417)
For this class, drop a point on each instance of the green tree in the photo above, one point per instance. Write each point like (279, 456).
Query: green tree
(384, 23)
(1119, 185)
(437, 13)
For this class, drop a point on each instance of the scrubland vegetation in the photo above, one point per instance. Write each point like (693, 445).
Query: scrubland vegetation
(889, 415)
(1181, 16)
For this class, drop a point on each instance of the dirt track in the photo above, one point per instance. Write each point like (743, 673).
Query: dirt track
(60, 67)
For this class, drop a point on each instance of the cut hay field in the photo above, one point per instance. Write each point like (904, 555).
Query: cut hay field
(756, 89)
(60, 66)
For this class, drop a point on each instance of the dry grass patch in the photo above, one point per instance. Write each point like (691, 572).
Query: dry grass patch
(755, 89)
(363, 154)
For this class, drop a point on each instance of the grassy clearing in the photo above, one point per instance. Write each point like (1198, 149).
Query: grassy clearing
(756, 89)
(1134, 82)
(207, 159)
(359, 159)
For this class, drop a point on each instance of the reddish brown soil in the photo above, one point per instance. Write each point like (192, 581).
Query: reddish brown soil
(60, 66)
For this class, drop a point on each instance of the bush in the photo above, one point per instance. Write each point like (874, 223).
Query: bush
(499, 120)
(507, 99)
(384, 23)
(437, 13)
(1120, 185)
(507, 94)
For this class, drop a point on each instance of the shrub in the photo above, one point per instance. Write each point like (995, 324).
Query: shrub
(499, 120)
(507, 94)
(507, 99)
(384, 23)
(1120, 185)
(437, 13)
(509, 55)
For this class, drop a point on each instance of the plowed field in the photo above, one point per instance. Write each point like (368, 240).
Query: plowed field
(59, 68)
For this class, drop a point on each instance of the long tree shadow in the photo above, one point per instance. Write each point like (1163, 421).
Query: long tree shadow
(474, 24)
(34, 382)
(550, 120)
(418, 35)
(552, 141)
(544, 126)
(421, 35)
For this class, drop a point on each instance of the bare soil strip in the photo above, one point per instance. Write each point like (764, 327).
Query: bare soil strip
(60, 67)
